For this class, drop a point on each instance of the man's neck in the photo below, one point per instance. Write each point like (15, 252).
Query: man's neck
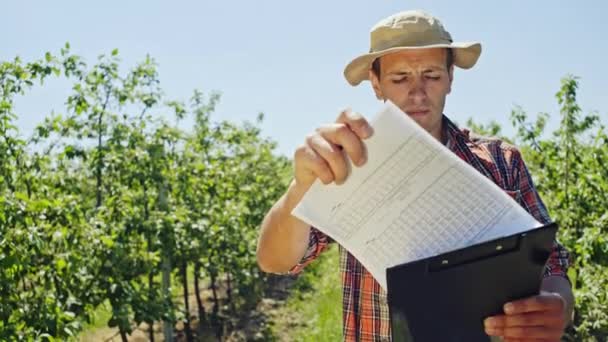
(439, 132)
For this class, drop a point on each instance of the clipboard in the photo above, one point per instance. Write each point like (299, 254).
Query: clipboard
(447, 297)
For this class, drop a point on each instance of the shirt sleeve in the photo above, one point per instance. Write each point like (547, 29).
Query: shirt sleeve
(559, 260)
(317, 243)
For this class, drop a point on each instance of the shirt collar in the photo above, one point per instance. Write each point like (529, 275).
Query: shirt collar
(452, 134)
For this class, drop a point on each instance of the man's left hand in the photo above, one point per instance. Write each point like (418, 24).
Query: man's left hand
(539, 318)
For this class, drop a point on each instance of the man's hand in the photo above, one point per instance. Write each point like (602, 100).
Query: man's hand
(322, 154)
(284, 238)
(538, 318)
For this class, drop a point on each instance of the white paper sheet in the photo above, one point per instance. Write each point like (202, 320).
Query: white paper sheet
(414, 198)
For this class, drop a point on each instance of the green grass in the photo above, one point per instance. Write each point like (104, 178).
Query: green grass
(313, 311)
(97, 329)
(99, 317)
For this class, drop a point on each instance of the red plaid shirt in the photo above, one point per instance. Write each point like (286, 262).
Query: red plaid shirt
(364, 304)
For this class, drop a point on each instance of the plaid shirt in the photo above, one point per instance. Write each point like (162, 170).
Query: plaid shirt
(364, 303)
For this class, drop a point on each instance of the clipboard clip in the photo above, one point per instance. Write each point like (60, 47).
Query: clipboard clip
(474, 253)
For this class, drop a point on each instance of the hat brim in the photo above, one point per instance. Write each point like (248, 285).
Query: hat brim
(465, 57)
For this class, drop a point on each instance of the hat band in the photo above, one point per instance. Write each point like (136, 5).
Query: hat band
(409, 41)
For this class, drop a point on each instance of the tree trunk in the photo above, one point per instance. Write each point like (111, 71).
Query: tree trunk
(166, 264)
(99, 160)
(150, 322)
(166, 284)
(202, 317)
(151, 275)
(216, 306)
(123, 336)
(229, 291)
(184, 270)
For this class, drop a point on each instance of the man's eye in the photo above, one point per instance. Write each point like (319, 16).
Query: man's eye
(432, 77)
(399, 80)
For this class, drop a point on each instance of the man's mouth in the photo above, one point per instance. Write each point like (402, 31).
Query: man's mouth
(418, 112)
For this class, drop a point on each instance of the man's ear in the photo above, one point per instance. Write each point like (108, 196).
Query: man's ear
(451, 77)
(373, 78)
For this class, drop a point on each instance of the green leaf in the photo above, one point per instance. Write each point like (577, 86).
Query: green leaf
(60, 264)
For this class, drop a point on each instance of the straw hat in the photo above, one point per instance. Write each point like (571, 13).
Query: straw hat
(409, 30)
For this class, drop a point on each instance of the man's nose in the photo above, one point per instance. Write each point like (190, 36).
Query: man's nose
(417, 92)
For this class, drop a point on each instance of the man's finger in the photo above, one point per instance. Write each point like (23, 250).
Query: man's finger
(356, 122)
(342, 135)
(528, 340)
(527, 333)
(308, 159)
(332, 155)
(550, 318)
(542, 302)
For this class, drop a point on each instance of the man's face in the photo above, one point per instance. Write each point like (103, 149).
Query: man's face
(417, 81)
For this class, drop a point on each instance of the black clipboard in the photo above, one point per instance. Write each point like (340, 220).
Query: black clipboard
(447, 297)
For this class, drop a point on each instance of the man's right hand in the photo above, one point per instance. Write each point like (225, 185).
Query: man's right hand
(323, 153)
(283, 237)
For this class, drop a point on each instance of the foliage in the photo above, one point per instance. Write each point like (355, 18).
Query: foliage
(105, 202)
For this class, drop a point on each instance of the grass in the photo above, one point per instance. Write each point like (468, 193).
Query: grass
(99, 317)
(313, 311)
(97, 329)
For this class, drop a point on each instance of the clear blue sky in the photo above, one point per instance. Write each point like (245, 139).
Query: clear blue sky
(285, 58)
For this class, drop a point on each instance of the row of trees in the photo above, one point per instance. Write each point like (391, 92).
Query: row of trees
(113, 199)
(570, 169)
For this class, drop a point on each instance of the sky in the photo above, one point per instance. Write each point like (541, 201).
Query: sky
(286, 58)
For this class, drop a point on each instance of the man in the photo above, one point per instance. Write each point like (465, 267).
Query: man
(411, 63)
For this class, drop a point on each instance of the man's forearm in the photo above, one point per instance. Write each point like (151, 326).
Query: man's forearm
(283, 238)
(560, 285)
